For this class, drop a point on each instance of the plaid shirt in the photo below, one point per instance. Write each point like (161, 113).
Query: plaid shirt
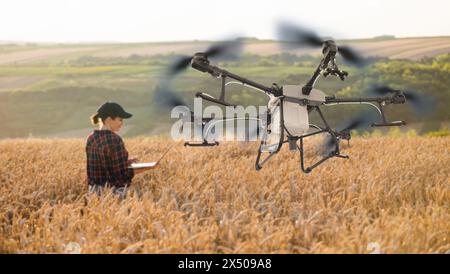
(107, 160)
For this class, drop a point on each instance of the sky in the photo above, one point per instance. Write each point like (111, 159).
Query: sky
(170, 20)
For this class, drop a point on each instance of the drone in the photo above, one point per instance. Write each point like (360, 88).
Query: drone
(289, 106)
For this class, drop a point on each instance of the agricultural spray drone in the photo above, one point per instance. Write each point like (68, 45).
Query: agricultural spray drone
(289, 106)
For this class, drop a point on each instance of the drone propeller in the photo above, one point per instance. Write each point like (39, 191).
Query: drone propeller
(351, 56)
(329, 145)
(179, 64)
(422, 104)
(360, 121)
(298, 37)
(227, 49)
(166, 97)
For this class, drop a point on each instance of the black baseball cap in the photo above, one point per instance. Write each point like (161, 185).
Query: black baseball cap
(112, 109)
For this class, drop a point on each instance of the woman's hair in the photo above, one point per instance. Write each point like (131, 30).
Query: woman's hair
(95, 119)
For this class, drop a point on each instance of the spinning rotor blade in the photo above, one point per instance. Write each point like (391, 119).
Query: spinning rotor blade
(360, 121)
(329, 145)
(298, 37)
(228, 49)
(382, 90)
(422, 104)
(179, 64)
(166, 97)
(351, 56)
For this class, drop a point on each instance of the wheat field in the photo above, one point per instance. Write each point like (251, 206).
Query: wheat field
(391, 196)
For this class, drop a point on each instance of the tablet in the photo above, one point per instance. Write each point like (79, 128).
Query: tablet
(150, 164)
(143, 165)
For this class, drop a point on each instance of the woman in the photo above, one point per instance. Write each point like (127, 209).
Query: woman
(107, 158)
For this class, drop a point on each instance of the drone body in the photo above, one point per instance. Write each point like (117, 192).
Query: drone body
(295, 116)
(295, 106)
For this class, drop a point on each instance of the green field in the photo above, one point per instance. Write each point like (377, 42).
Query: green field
(55, 90)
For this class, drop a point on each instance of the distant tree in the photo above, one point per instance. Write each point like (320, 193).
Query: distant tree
(384, 37)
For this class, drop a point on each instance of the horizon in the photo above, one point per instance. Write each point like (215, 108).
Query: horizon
(380, 37)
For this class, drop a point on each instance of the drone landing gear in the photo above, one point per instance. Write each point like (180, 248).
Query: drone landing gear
(201, 144)
(292, 140)
(259, 164)
(335, 137)
(293, 146)
(334, 153)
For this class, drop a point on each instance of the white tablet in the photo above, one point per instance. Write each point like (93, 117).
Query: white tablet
(143, 165)
(151, 164)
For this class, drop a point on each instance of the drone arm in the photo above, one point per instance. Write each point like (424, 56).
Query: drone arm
(327, 64)
(207, 97)
(306, 89)
(201, 63)
(397, 98)
(333, 99)
(269, 90)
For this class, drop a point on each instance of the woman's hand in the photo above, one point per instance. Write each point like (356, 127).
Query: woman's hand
(133, 160)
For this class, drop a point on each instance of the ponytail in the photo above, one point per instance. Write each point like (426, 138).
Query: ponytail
(95, 119)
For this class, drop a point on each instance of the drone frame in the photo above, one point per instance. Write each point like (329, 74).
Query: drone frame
(327, 66)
